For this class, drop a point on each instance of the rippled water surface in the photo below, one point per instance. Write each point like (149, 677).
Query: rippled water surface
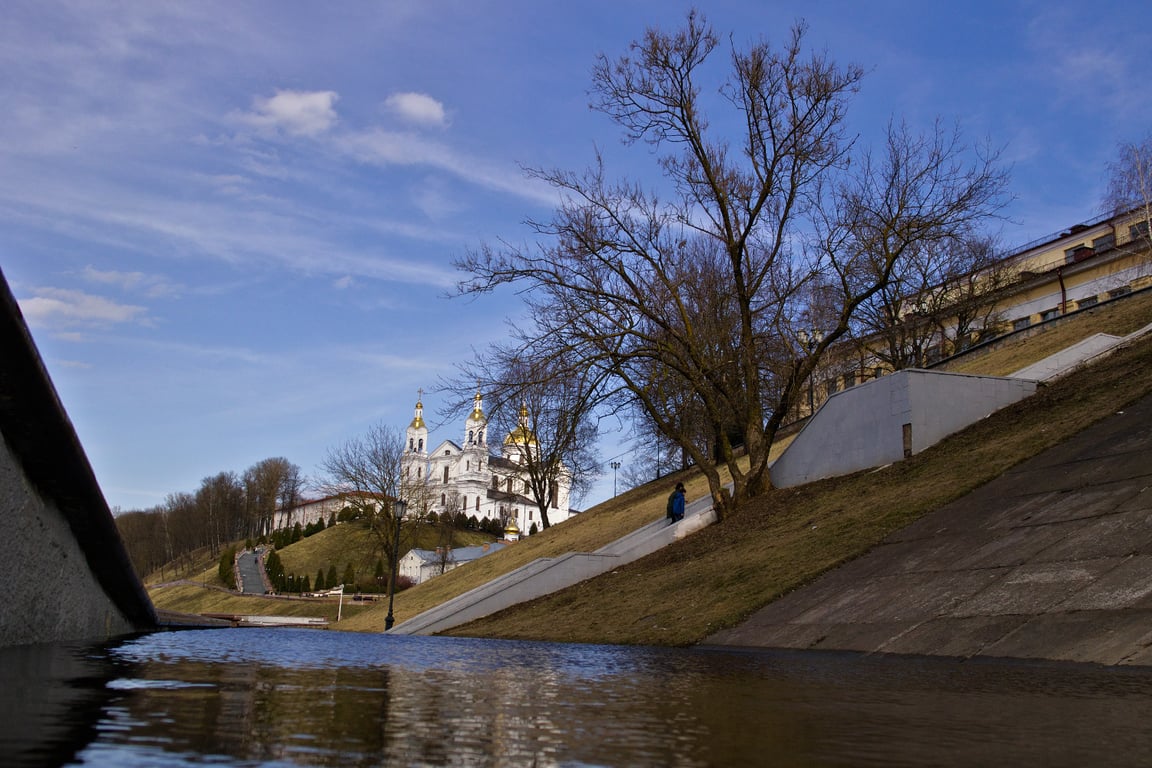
(300, 697)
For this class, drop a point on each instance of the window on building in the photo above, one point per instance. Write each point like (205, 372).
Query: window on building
(420, 444)
(471, 437)
(477, 502)
(527, 487)
(443, 500)
(447, 452)
(445, 474)
(419, 472)
(496, 482)
(1087, 301)
(1104, 242)
(509, 485)
(1021, 324)
(1051, 314)
(1138, 230)
(554, 491)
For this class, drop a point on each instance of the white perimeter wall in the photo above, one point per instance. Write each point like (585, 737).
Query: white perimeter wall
(863, 427)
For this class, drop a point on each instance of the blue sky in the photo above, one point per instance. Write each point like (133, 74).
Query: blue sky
(231, 226)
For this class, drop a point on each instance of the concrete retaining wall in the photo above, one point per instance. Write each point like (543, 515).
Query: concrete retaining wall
(66, 573)
(884, 420)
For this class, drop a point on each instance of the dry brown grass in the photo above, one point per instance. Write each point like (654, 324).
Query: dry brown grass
(782, 540)
(1118, 318)
(190, 598)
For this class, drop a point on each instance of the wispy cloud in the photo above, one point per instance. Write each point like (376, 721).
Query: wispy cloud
(151, 286)
(378, 146)
(60, 308)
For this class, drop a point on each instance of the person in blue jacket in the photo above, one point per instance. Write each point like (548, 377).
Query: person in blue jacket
(676, 504)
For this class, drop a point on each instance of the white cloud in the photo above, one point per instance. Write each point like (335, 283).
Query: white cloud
(416, 108)
(344, 283)
(152, 286)
(62, 308)
(300, 113)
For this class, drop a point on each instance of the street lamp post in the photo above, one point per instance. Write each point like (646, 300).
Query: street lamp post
(615, 466)
(810, 339)
(399, 507)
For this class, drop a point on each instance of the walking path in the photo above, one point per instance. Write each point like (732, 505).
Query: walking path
(1052, 560)
(251, 573)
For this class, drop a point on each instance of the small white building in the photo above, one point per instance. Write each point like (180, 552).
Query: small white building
(419, 565)
(466, 477)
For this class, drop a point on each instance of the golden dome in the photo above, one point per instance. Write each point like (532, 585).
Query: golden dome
(522, 435)
(477, 408)
(418, 420)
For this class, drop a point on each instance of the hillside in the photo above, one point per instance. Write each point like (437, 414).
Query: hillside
(787, 538)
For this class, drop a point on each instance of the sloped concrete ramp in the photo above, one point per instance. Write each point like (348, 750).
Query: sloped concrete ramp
(551, 574)
(889, 418)
(1052, 560)
(1071, 358)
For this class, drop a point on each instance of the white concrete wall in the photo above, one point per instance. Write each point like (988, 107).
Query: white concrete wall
(863, 427)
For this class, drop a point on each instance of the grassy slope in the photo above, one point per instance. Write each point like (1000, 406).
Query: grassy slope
(719, 576)
(787, 538)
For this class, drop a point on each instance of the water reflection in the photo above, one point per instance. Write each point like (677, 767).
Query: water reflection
(298, 697)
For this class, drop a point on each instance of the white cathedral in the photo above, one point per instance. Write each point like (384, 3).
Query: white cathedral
(468, 478)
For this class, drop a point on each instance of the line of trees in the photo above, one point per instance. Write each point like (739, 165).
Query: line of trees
(226, 508)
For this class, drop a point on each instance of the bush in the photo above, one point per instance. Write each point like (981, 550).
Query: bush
(227, 570)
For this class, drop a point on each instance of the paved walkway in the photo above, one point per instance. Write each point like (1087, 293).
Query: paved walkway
(251, 573)
(1051, 560)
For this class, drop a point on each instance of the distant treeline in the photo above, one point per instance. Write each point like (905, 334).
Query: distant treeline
(225, 508)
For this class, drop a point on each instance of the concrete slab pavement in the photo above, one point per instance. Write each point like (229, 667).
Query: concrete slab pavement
(1052, 560)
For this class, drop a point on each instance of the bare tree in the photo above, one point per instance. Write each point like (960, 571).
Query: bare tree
(693, 303)
(1130, 188)
(269, 485)
(367, 472)
(943, 300)
(220, 502)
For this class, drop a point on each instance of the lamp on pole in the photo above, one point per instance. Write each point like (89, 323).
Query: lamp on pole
(399, 507)
(615, 466)
(810, 340)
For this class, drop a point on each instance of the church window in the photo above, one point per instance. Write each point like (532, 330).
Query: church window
(496, 482)
(529, 515)
(477, 502)
(420, 445)
(554, 490)
(527, 487)
(447, 452)
(509, 485)
(419, 472)
(471, 437)
(445, 474)
(443, 500)
(411, 444)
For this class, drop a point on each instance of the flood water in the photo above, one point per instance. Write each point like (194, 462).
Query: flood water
(306, 697)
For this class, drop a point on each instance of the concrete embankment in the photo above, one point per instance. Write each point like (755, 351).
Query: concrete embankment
(68, 575)
(1052, 560)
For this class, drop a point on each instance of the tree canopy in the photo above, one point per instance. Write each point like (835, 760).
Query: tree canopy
(687, 309)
